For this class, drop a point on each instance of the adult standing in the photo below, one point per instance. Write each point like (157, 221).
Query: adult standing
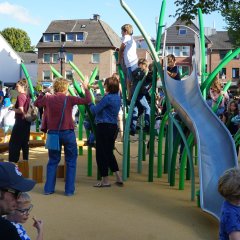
(11, 185)
(106, 119)
(21, 129)
(54, 105)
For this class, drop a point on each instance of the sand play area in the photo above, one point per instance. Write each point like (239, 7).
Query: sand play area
(140, 210)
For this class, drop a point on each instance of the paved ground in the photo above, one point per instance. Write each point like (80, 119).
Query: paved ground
(140, 210)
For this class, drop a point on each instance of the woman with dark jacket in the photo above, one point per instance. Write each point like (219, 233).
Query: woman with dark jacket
(106, 119)
(54, 105)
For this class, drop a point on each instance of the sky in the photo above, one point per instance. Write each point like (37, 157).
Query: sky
(35, 16)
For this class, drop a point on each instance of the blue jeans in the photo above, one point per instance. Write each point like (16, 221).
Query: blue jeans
(67, 139)
(143, 104)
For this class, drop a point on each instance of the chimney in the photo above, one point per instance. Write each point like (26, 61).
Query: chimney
(96, 17)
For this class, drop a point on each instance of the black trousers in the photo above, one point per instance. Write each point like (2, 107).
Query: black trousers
(105, 140)
(19, 140)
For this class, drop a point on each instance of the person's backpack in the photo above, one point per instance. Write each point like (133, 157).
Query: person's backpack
(32, 112)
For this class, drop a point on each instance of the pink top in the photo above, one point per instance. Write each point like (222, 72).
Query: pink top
(53, 105)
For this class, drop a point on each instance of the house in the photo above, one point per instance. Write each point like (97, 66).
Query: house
(221, 45)
(182, 41)
(89, 43)
(10, 61)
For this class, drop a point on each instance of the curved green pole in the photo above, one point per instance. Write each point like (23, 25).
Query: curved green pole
(206, 85)
(153, 100)
(127, 130)
(237, 135)
(219, 100)
(213, 74)
(176, 143)
(185, 156)
(75, 68)
(140, 145)
(31, 90)
(93, 76)
(100, 85)
(160, 144)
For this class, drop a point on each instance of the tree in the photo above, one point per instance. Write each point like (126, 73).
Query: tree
(230, 10)
(18, 39)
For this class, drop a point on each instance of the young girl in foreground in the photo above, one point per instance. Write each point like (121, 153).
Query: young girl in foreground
(229, 188)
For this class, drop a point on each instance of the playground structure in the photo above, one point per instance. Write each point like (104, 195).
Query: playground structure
(214, 157)
(186, 98)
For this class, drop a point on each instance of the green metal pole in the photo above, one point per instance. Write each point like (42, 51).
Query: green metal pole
(140, 146)
(75, 68)
(160, 144)
(153, 100)
(31, 89)
(93, 76)
(208, 82)
(100, 85)
(213, 74)
(127, 130)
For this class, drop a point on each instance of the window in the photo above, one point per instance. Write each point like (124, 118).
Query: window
(185, 51)
(56, 37)
(169, 50)
(177, 51)
(95, 58)
(222, 54)
(182, 31)
(46, 57)
(55, 58)
(69, 57)
(80, 36)
(223, 73)
(69, 75)
(70, 37)
(46, 75)
(47, 37)
(235, 73)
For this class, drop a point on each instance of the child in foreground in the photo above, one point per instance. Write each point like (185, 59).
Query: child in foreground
(21, 215)
(229, 188)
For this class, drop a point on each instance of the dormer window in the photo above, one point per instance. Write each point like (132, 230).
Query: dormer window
(47, 37)
(182, 31)
(70, 37)
(56, 37)
(80, 36)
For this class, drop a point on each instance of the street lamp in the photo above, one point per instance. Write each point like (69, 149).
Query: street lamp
(61, 57)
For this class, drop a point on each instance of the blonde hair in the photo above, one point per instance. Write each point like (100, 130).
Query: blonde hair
(60, 85)
(229, 184)
(127, 28)
(24, 199)
(216, 85)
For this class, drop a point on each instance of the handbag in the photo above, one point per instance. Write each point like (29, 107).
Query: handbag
(52, 142)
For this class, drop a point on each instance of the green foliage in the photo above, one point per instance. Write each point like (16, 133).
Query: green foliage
(18, 39)
(230, 10)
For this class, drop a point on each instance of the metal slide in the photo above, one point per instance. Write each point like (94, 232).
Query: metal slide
(216, 147)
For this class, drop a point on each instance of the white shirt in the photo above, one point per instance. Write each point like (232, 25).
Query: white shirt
(130, 51)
